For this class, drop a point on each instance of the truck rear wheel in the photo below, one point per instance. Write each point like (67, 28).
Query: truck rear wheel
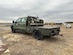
(37, 35)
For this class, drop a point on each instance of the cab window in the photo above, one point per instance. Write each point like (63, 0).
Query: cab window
(18, 20)
(24, 20)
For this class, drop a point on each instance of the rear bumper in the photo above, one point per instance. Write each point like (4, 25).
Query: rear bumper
(54, 34)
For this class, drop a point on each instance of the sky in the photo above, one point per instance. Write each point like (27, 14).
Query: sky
(49, 10)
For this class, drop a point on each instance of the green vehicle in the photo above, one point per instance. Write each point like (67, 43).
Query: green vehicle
(35, 26)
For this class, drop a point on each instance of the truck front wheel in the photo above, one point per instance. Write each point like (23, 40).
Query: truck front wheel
(13, 30)
(37, 35)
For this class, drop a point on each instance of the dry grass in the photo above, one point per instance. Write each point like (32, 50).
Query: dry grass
(24, 44)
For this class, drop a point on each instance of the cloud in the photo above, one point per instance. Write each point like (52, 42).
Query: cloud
(50, 10)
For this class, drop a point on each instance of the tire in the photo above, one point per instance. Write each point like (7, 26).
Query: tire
(37, 35)
(13, 31)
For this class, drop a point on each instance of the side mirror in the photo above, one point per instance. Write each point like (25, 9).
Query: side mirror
(13, 21)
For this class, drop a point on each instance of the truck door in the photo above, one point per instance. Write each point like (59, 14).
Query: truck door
(17, 24)
(23, 24)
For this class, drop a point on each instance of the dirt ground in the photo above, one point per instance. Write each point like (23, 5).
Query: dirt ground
(24, 44)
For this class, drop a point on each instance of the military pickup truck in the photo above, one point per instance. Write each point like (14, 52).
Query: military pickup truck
(35, 26)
